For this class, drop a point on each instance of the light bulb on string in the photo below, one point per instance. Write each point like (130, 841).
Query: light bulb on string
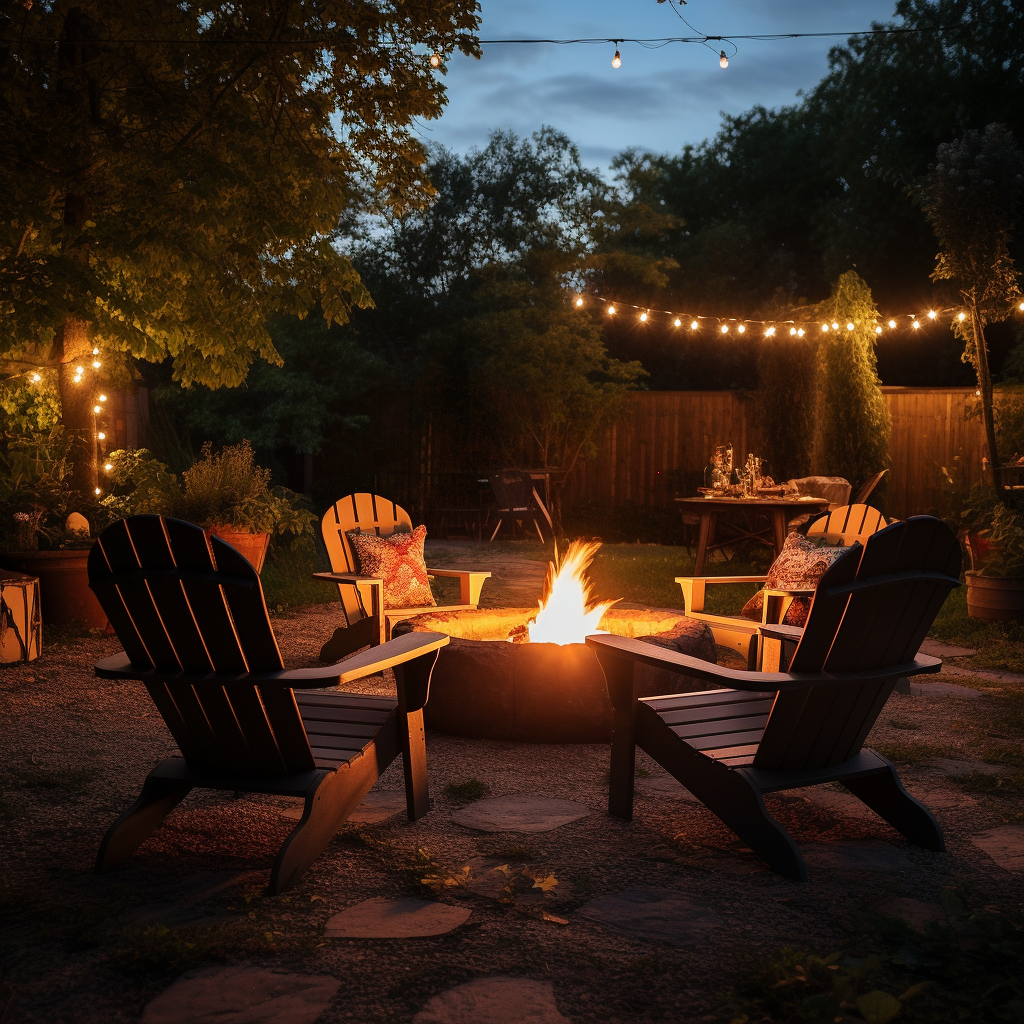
(79, 370)
(835, 326)
(1020, 306)
(916, 324)
(611, 311)
(849, 327)
(800, 332)
(643, 318)
(97, 408)
(725, 328)
(435, 59)
(36, 377)
(792, 330)
(770, 332)
(824, 328)
(723, 61)
(95, 364)
(617, 59)
(878, 330)
(97, 491)
(932, 314)
(108, 466)
(741, 328)
(579, 302)
(102, 436)
(677, 322)
(694, 325)
(961, 317)
(95, 351)
(892, 324)
(103, 398)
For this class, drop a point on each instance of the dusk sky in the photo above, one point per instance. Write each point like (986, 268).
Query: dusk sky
(659, 99)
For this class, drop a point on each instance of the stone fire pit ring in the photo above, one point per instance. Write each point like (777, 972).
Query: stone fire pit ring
(488, 688)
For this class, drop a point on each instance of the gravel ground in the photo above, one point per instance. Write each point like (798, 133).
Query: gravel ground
(78, 947)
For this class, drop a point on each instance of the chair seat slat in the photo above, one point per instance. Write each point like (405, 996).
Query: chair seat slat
(702, 730)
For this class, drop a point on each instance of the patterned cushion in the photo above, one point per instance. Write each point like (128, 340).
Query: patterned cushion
(804, 560)
(398, 560)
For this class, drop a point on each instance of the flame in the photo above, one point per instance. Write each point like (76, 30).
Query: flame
(567, 612)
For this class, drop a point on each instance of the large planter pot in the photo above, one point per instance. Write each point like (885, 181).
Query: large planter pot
(996, 598)
(64, 593)
(252, 546)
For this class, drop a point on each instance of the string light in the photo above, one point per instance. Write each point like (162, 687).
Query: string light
(835, 326)
(36, 377)
(1020, 306)
(97, 491)
(932, 314)
(103, 398)
(435, 59)
(769, 332)
(102, 436)
(617, 60)
(643, 318)
(96, 364)
(95, 351)
(916, 324)
(741, 328)
(723, 61)
(878, 330)
(792, 330)
(677, 322)
(611, 311)
(579, 302)
(694, 325)
(800, 332)
(892, 324)
(849, 327)
(97, 408)
(108, 466)
(961, 317)
(725, 328)
(824, 328)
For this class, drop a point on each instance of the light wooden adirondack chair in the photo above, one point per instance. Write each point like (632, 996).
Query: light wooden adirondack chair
(769, 731)
(844, 526)
(366, 619)
(194, 626)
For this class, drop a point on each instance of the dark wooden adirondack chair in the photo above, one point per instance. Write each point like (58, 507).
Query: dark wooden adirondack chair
(194, 626)
(770, 731)
(518, 502)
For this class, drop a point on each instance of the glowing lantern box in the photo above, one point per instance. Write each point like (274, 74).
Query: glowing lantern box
(21, 626)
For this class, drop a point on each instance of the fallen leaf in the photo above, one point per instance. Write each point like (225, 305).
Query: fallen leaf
(556, 920)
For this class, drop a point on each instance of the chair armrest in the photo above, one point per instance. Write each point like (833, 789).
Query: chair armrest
(351, 578)
(774, 631)
(624, 649)
(693, 588)
(471, 582)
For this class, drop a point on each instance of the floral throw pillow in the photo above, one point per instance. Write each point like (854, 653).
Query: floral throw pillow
(804, 560)
(398, 560)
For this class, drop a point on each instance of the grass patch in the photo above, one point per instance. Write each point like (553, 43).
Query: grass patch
(1000, 645)
(911, 753)
(471, 789)
(287, 578)
(903, 723)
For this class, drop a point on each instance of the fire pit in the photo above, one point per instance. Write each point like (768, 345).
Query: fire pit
(531, 688)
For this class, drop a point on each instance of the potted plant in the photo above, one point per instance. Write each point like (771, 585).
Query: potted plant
(995, 590)
(226, 493)
(46, 526)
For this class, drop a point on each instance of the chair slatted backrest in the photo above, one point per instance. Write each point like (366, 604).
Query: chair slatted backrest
(871, 611)
(848, 523)
(513, 489)
(185, 604)
(868, 487)
(368, 513)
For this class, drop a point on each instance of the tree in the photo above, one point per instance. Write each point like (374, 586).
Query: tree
(971, 196)
(172, 174)
(852, 420)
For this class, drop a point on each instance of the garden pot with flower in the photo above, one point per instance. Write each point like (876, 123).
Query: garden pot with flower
(995, 591)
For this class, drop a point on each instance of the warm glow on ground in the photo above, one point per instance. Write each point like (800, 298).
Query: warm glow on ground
(567, 612)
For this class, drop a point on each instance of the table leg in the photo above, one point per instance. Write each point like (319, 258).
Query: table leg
(778, 530)
(707, 532)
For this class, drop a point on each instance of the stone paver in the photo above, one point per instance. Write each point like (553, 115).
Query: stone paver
(1005, 845)
(944, 690)
(242, 995)
(378, 805)
(855, 857)
(937, 649)
(396, 919)
(957, 766)
(494, 1001)
(916, 913)
(660, 915)
(520, 813)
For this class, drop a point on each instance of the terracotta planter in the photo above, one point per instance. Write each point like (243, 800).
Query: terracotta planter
(252, 546)
(64, 593)
(995, 598)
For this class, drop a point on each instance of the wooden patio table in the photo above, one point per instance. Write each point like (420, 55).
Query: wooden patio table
(778, 512)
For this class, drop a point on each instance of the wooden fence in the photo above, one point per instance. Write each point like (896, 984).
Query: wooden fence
(658, 449)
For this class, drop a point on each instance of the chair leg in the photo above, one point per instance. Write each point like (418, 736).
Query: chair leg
(885, 795)
(496, 529)
(622, 770)
(158, 798)
(414, 765)
(329, 802)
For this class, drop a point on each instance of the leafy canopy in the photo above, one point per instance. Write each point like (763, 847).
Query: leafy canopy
(173, 173)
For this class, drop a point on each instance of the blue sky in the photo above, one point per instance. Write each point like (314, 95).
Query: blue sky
(658, 99)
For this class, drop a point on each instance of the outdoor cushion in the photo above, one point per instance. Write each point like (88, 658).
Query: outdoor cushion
(398, 560)
(802, 563)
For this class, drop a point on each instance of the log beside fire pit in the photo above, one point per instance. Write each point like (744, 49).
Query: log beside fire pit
(486, 687)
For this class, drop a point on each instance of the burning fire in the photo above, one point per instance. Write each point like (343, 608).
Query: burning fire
(567, 613)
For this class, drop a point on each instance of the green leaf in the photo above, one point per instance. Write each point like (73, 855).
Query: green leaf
(878, 1007)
